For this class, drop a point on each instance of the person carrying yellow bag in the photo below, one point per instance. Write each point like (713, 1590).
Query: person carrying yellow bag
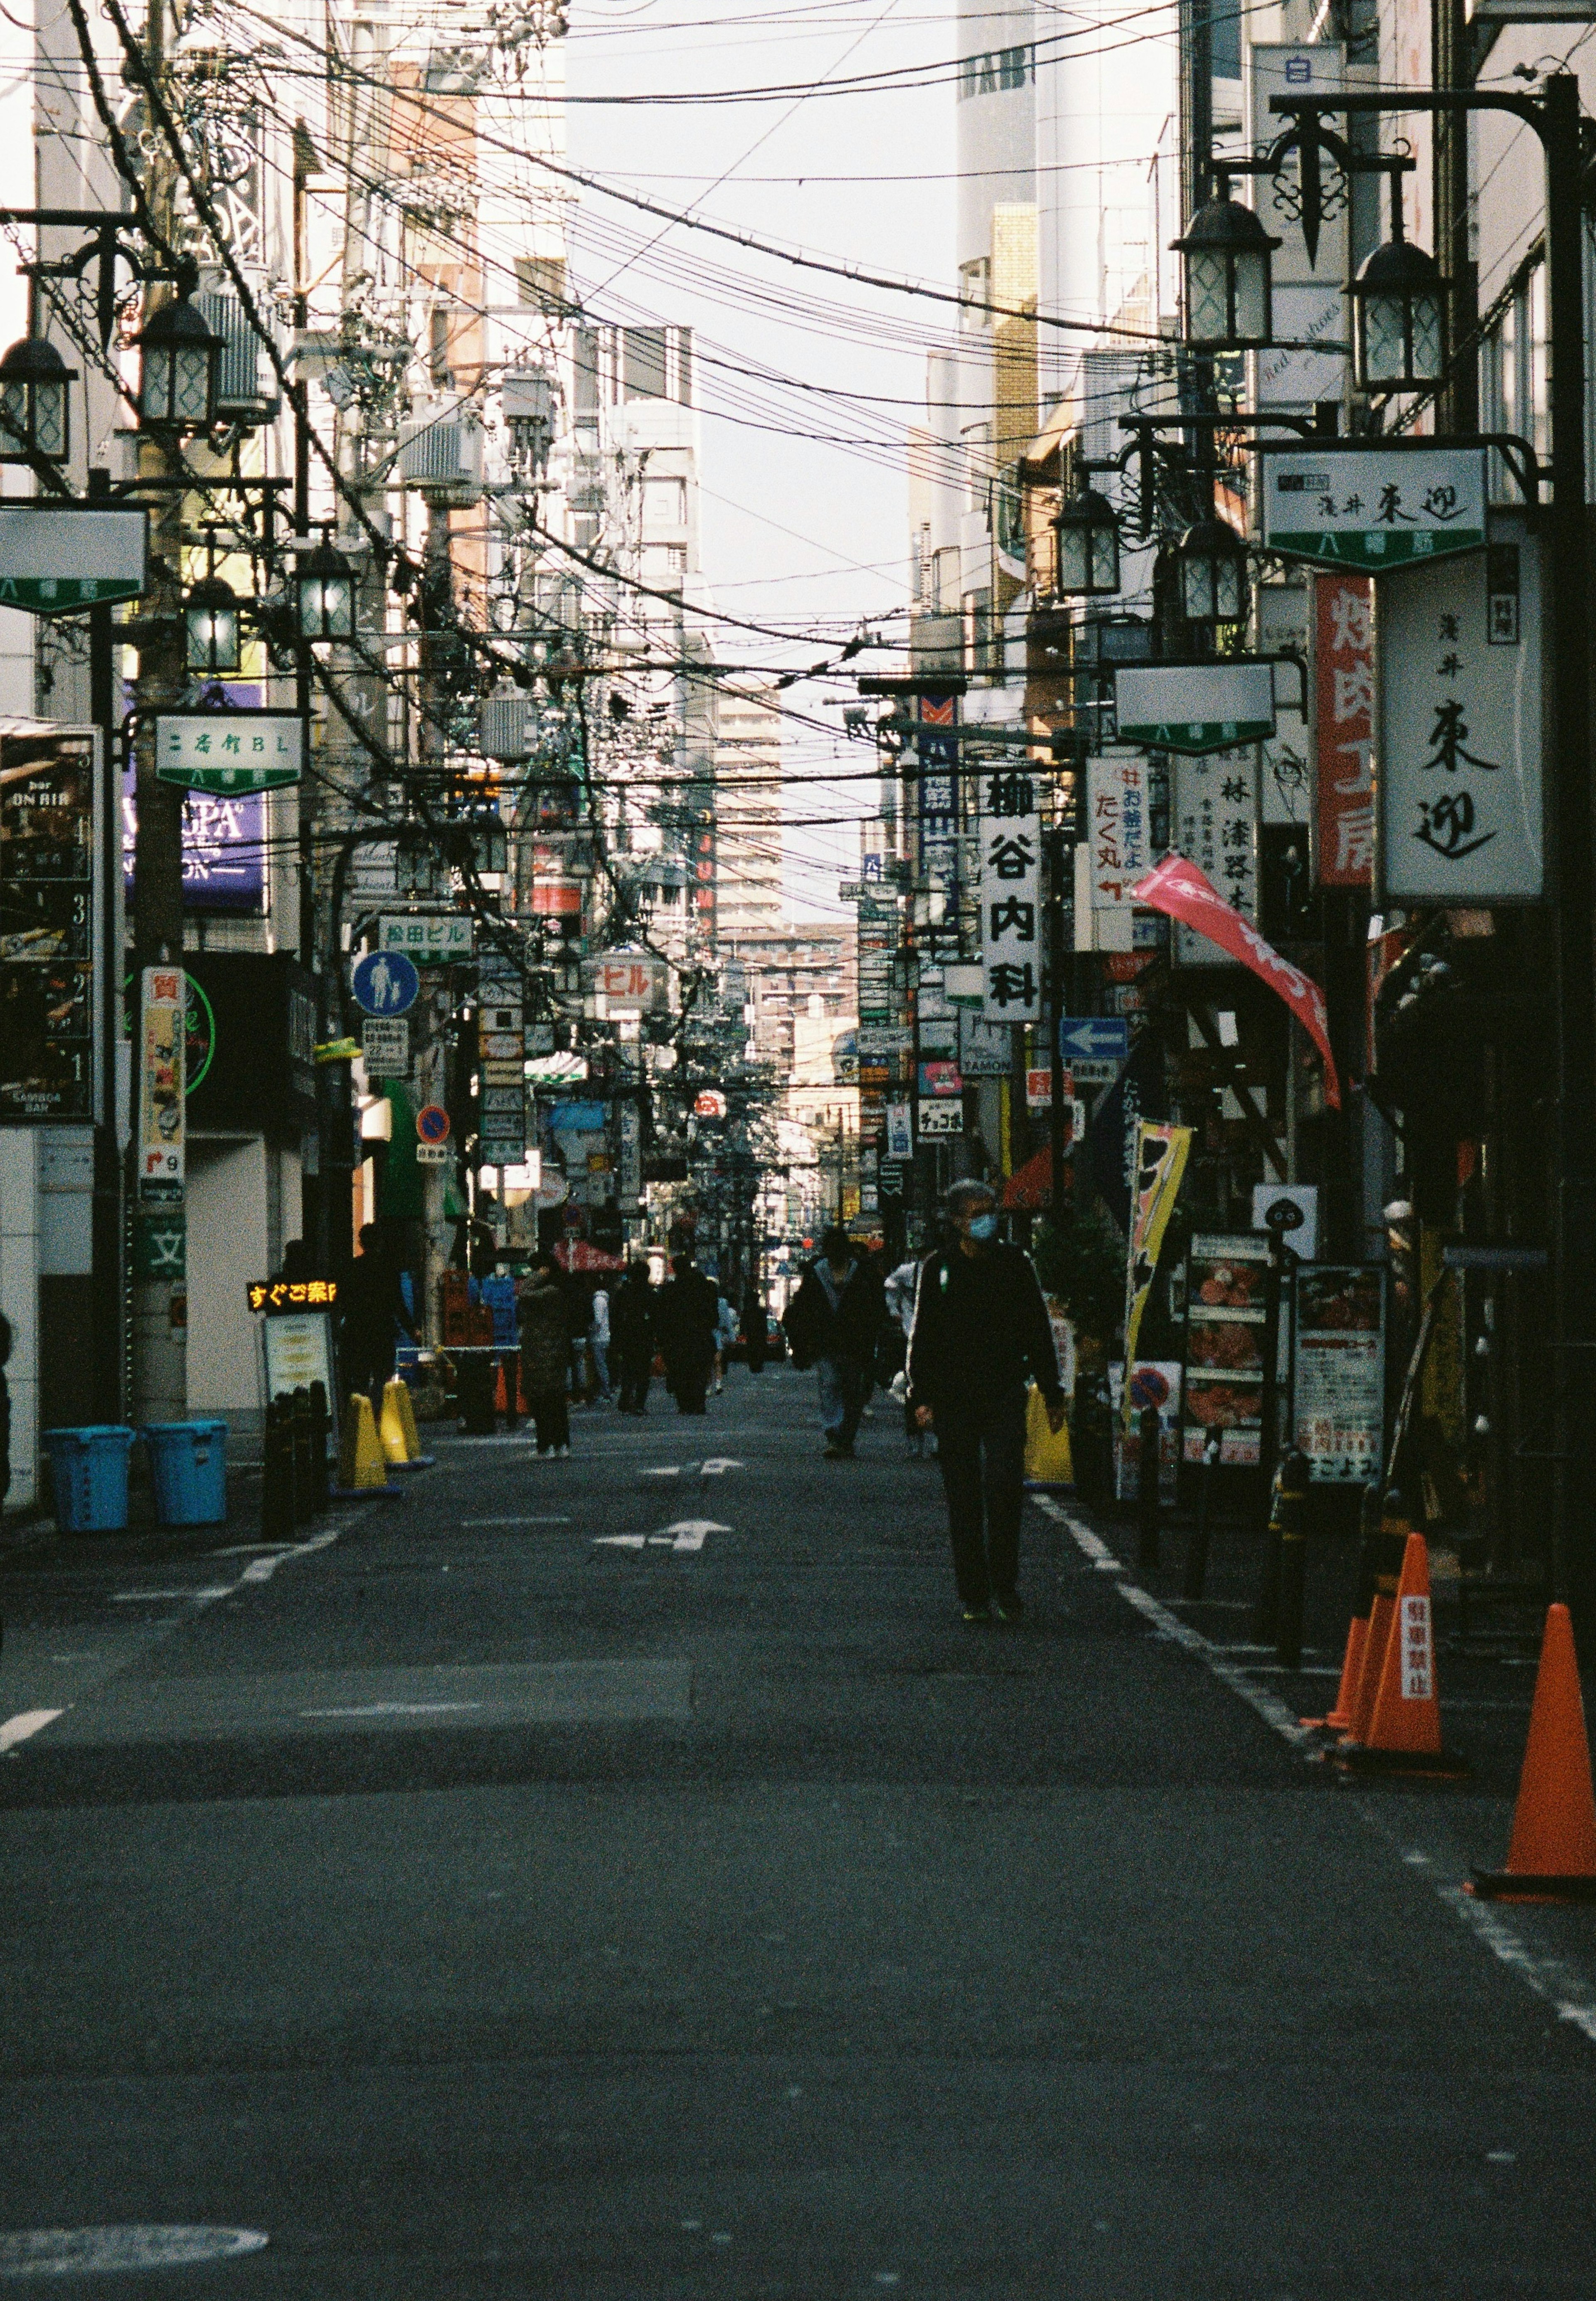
(1048, 1461)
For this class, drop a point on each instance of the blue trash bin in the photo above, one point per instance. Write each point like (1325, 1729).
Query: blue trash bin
(89, 1470)
(188, 1471)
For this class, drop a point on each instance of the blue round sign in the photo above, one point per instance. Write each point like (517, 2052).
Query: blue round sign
(386, 983)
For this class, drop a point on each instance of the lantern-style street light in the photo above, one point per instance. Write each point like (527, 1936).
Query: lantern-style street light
(1087, 529)
(1212, 559)
(211, 626)
(1227, 269)
(1398, 313)
(326, 590)
(34, 419)
(180, 358)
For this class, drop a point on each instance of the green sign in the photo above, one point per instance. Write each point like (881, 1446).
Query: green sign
(1194, 707)
(160, 1242)
(1374, 509)
(55, 558)
(226, 752)
(199, 1029)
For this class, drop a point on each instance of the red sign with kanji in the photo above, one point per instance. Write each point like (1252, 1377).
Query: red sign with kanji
(1344, 676)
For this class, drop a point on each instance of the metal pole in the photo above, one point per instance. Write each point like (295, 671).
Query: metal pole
(106, 1251)
(1057, 852)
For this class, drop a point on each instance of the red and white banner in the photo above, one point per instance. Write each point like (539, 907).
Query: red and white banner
(1179, 889)
(1344, 678)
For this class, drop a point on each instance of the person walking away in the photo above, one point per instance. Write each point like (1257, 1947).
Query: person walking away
(372, 1314)
(899, 1295)
(546, 1355)
(755, 1326)
(632, 1338)
(600, 1341)
(831, 1324)
(688, 1314)
(725, 1335)
(981, 1325)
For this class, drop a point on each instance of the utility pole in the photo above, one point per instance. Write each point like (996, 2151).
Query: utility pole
(159, 1290)
(1058, 850)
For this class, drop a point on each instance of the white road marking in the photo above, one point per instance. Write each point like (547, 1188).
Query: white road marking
(1571, 1995)
(392, 1710)
(619, 1541)
(718, 1464)
(666, 1470)
(690, 1533)
(248, 1549)
(25, 1723)
(142, 1597)
(550, 1519)
(64, 2253)
(263, 1568)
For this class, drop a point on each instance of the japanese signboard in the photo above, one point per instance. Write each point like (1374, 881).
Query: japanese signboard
(276, 1296)
(47, 937)
(1342, 507)
(298, 1352)
(1227, 1319)
(428, 938)
(1344, 705)
(1339, 1380)
(1194, 707)
(942, 1118)
(985, 1050)
(1215, 827)
(900, 1138)
(1010, 843)
(226, 751)
(55, 558)
(629, 980)
(1115, 851)
(1460, 746)
(225, 842)
(385, 1047)
(163, 1036)
(1160, 1161)
(1307, 305)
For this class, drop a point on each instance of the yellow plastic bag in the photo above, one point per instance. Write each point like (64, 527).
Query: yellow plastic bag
(1048, 1458)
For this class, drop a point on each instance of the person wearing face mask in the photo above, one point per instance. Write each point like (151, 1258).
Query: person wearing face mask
(980, 1326)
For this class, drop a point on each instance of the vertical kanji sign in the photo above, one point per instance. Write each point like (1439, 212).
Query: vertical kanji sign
(1215, 827)
(1011, 896)
(1344, 678)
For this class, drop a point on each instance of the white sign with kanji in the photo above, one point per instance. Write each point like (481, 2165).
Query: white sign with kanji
(1215, 827)
(1010, 844)
(1459, 764)
(1118, 833)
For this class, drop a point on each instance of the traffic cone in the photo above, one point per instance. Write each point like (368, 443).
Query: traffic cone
(1404, 1729)
(1552, 1856)
(391, 1432)
(501, 1396)
(1339, 1717)
(406, 1408)
(360, 1463)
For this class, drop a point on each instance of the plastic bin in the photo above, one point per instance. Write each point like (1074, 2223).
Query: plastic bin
(188, 1471)
(88, 1469)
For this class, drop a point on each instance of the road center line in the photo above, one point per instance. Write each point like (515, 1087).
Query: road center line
(25, 1723)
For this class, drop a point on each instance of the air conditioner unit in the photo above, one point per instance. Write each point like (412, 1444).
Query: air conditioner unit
(440, 454)
(246, 388)
(507, 727)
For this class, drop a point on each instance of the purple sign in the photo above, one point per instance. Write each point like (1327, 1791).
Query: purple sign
(224, 838)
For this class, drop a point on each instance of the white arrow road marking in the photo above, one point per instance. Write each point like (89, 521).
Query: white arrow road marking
(718, 1464)
(620, 1541)
(26, 1722)
(689, 1533)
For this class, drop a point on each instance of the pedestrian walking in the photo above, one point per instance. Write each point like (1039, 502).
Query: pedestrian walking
(546, 1355)
(598, 1340)
(899, 1295)
(633, 1338)
(981, 1325)
(755, 1326)
(372, 1314)
(725, 1335)
(831, 1324)
(688, 1312)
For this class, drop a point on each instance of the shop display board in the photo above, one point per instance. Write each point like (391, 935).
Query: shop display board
(1338, 1389)
(1227, 1337)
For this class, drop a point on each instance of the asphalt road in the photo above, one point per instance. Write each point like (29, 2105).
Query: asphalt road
(628, 1879)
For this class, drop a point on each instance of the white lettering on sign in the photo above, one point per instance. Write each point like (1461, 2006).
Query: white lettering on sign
(1011, 896)
(1418, 1663)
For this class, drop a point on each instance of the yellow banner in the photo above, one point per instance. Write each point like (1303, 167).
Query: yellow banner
(1161, 1155)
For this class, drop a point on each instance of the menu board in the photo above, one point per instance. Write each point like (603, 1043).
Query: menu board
(46, 927)
(1227, 1319)
(1339, 1388)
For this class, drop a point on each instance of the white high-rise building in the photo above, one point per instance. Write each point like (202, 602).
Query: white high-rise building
(747, 769)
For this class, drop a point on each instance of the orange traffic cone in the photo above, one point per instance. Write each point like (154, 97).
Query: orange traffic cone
(1339, 1717)
(1404, 1729)
(1382, 1614)
(1552, 1856)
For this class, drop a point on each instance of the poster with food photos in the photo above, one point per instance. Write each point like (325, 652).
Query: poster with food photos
(1338, 1389)
(1227, 1341)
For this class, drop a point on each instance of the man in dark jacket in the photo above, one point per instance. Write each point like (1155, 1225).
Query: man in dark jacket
(831, 1324)
(980, 1325)
(632, 1338)
(372, 1312)
(689, 1309)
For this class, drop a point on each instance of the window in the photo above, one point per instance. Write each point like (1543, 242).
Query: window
(438, 362)
(644, 363)
(996, 72)
(1539, 405)
(540, 281)
(974, 291)
(664, 505)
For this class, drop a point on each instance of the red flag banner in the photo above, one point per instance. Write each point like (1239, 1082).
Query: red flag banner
(1179, 889)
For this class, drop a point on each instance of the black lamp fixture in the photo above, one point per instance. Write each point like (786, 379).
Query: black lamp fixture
(1228, 269)
(325, 584)
(34, 419)
(1087, 558)
(1212, 559)
(179, 359)
(210, 622)
(1398, 312)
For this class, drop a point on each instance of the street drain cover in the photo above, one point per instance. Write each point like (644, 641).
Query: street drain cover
(88, 2252)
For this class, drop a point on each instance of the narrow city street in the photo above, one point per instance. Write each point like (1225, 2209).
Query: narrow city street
(626, 1878)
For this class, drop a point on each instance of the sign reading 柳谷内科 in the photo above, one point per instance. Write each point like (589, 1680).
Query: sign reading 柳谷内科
(1460, 747)
(1010, 846)
(1343, 507)
(1194, 707)
(224, 751)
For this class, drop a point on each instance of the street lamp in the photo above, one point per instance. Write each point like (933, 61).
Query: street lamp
(33, 402)
(1399, 314)
(1227, 269)
(1212, 560)
(326, 589)
(178, 360)
(210, 622)
(1087, 528)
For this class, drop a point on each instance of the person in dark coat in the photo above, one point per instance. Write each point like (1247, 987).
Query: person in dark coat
(980, 1326)
(832, 1322)
(690, 1312)
(632, 1338)
(756, 1328)
(546, 1355)
(372, 1311)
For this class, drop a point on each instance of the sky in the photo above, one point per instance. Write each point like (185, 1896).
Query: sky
(807, 534)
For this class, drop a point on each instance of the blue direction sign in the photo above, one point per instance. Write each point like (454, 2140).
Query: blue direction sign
(386, 983)
(1094, 1038)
